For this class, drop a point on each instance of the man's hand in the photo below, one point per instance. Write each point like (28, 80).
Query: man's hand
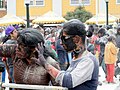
(41, 60)
(40, 48)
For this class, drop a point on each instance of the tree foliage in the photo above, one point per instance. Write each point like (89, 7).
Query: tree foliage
(79, 13)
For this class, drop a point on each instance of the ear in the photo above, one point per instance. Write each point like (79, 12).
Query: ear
(77, 39)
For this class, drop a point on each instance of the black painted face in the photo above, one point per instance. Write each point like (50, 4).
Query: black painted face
(22, 50)
(68, 43)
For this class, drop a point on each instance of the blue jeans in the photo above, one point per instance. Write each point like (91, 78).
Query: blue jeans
(11, 73)
(3, 76)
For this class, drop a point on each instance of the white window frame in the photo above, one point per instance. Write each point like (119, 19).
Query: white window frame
(81, 2)
(74, 4)
(34, 3)
(117, 2)
(40, 0)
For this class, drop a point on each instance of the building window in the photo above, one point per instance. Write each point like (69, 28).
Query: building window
(85, 2)
(36, 2)
(1, 3)
(79, 2)
(40, 2)
(31, 2)
(74, 2)
(118, 1)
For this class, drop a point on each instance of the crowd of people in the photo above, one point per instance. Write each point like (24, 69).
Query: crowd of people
(105, 45)
(68, 55)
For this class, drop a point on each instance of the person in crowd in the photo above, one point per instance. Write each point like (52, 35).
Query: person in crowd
(62, 54)
(118, 41)
(2, 66)
(27, 71)
(10, 33)
(90, 46)
(38, 27)
(52, 51)
(52, 38)
(2, 34)
(58, 30)
(102, 40)
(63, 57)
(10, 38)
(117, 69)
(110, 57)
(82, 74)
(93, 40)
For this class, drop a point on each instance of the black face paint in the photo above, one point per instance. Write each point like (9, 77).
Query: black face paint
(68, 42)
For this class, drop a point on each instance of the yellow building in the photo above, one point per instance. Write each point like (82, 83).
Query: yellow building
(2, 8)
(61, 7)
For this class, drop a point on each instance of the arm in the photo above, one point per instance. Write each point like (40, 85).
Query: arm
(41, 61)
(80, 74)
(7, 68)
(113, 49)
(7, 50)
(55, 64)
(50, 69)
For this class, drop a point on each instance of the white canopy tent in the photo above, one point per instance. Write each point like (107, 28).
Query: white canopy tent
(49, 18)
(101, 19)
(11, 19)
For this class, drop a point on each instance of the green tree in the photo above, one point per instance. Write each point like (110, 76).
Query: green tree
(79, 13)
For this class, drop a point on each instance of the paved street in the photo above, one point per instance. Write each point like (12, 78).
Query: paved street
(106, 86)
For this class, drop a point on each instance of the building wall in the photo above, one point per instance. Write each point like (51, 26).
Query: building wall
(114, 8)
(102, 7)
(34, 10)
(66, 7)
(92, 7)
(3, 13)
(61, 7)
(11, 7)
(57, 6)
(20, 8)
